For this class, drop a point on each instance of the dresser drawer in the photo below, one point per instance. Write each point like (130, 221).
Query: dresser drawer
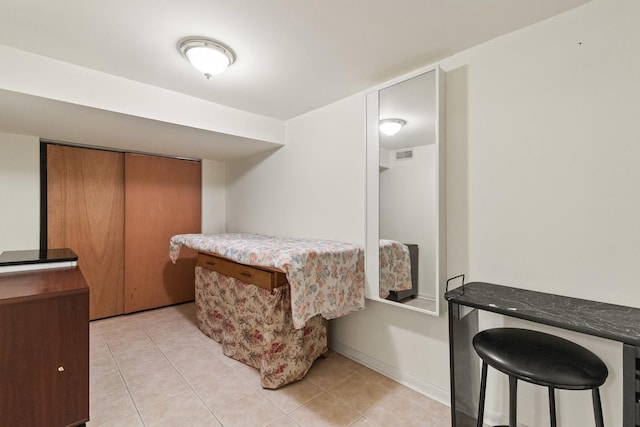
(262, 277)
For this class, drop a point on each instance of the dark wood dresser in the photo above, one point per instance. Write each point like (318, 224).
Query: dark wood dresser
(44, 348)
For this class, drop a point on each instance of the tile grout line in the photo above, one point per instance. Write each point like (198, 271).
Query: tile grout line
(115, 361)
(126, 385)
(163, 329)
(183, 378)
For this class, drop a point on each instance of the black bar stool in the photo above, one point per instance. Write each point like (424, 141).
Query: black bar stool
(541, 359)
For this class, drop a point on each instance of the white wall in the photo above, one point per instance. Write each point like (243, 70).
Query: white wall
(542, 155)
(543, 134)
(408, 209)
(213, 196)
(542, 171)
(313, 186)
(22, 72)
(542, 148)
(19, 192)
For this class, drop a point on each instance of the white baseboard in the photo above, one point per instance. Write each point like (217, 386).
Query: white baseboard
(430, 390)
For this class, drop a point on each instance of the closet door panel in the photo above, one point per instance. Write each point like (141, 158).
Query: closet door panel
(85, 212)
(162, 199)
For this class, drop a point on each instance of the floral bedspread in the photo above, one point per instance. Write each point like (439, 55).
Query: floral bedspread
(255, 327)
(395, 267)
(325, 276)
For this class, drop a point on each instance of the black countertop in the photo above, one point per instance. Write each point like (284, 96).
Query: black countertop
(615, 322)
(36, 256)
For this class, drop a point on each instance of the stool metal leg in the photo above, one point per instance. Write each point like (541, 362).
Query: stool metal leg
(513, 401)
(483, 390)
(552, 406)
(597, 407)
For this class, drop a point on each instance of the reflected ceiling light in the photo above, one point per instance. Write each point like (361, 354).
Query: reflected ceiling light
(207, 56)
(391, 126)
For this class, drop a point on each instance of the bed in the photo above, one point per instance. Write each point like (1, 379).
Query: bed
(266, 299)
(398, 275)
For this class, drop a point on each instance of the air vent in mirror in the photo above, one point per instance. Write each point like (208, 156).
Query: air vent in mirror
(404, 155)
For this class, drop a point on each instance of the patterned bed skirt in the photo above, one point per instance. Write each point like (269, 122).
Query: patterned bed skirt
(255, 327)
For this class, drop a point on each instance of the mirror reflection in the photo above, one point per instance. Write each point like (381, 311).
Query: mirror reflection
(408, 194)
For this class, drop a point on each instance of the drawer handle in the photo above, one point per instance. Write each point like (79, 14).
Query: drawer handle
(61, 369)
(245, 274)
(210, 263)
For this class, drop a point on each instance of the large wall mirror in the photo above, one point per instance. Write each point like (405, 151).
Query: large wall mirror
(405, 253)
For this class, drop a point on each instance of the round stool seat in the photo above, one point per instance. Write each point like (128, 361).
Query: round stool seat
(540, 358)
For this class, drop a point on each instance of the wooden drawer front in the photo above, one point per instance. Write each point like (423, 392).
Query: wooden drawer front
(265, 279)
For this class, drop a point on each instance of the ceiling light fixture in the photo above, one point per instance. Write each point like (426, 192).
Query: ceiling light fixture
(391, 126)
(207, 56)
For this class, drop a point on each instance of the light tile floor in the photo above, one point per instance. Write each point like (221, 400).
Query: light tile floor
(156, 368)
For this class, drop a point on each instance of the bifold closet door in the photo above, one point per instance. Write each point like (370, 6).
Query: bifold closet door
(162, 199)
(85, 212)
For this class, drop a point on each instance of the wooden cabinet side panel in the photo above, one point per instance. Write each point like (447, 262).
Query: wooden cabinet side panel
(162, 199)
(45, 361)
(85, 196)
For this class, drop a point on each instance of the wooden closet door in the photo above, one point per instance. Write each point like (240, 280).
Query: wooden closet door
(85, 212)
(162, 199)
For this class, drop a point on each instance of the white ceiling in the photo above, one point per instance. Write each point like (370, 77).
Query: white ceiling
(292, 55)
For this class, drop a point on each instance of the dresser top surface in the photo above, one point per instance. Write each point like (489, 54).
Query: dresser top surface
(41, 283)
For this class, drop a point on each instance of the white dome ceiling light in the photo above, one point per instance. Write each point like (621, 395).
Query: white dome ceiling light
(390, 127)
(208, 56)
